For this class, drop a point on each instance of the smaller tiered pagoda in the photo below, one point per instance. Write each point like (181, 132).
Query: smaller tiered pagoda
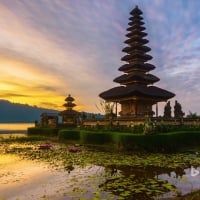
(69, 116)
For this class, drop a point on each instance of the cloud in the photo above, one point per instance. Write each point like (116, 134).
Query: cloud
(51, 48)
(49, 104)
(5, 95)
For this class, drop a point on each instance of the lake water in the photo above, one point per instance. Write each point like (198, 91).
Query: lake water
(15, 127)
(24, 179)
(27, 179)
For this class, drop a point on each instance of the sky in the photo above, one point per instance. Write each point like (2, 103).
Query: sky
(52, 48)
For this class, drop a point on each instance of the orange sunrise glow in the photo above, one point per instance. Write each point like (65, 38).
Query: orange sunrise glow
(49, 50)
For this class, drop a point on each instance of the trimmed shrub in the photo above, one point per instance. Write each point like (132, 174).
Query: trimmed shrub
(165, 142)
(168, 142)
(137, 128)
(89, 137)
(172, 128)
(43, 131)
(65, 134)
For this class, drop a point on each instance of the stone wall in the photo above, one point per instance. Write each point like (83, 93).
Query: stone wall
(136, 121)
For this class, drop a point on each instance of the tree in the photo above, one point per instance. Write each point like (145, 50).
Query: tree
(107, 108)
(167, 110)
(192, 115)
(178, 113)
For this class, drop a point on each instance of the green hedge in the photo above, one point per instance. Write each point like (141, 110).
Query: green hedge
(42, 131)
(165, 142)
(90, 137)
(169, 142)
(65, 134)
(172, 128)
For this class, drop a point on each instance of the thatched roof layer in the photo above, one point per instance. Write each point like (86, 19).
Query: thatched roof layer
(134, 22)
(137, 76)
(135, 17)
(137, 66)
(132, 48)
(69, 104)
(136, 32)
(138, 41)
(136, 91)
(138, 56)
(138, 28)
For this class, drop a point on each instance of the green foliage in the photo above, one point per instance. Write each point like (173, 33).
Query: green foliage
(117, 128)
(178, 113)
(66, 134)
(137, 128)
(106, 108)
(149, 127)
(24, 139)
(127, 176)
(167, 141)
(167, 110)
(89, 137)
(170, 142)
(172, 128)
(43, 131)
(132, 187)
(192, 115)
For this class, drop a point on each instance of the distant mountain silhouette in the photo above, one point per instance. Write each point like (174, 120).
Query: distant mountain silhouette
(15, 112)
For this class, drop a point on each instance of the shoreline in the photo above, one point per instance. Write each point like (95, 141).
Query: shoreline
(13, 131)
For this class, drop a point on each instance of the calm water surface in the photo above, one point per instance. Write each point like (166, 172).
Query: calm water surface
(24, 179)
(14, 127)
(29, 180)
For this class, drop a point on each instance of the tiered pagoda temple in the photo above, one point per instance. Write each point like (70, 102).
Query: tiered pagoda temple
(69, 116)
(136, 94)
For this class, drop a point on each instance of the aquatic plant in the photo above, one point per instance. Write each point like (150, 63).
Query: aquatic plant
(126, 175)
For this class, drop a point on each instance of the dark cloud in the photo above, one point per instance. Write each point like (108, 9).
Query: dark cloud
(46, 88)
(5, 95)
(48, 104)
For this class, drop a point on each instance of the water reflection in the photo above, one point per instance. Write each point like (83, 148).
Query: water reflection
(14, 127)
(185, 183)
(150, 182)
(37, 178)
(136, 182)
(12, 130)
(25, 179)
(12, 135)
